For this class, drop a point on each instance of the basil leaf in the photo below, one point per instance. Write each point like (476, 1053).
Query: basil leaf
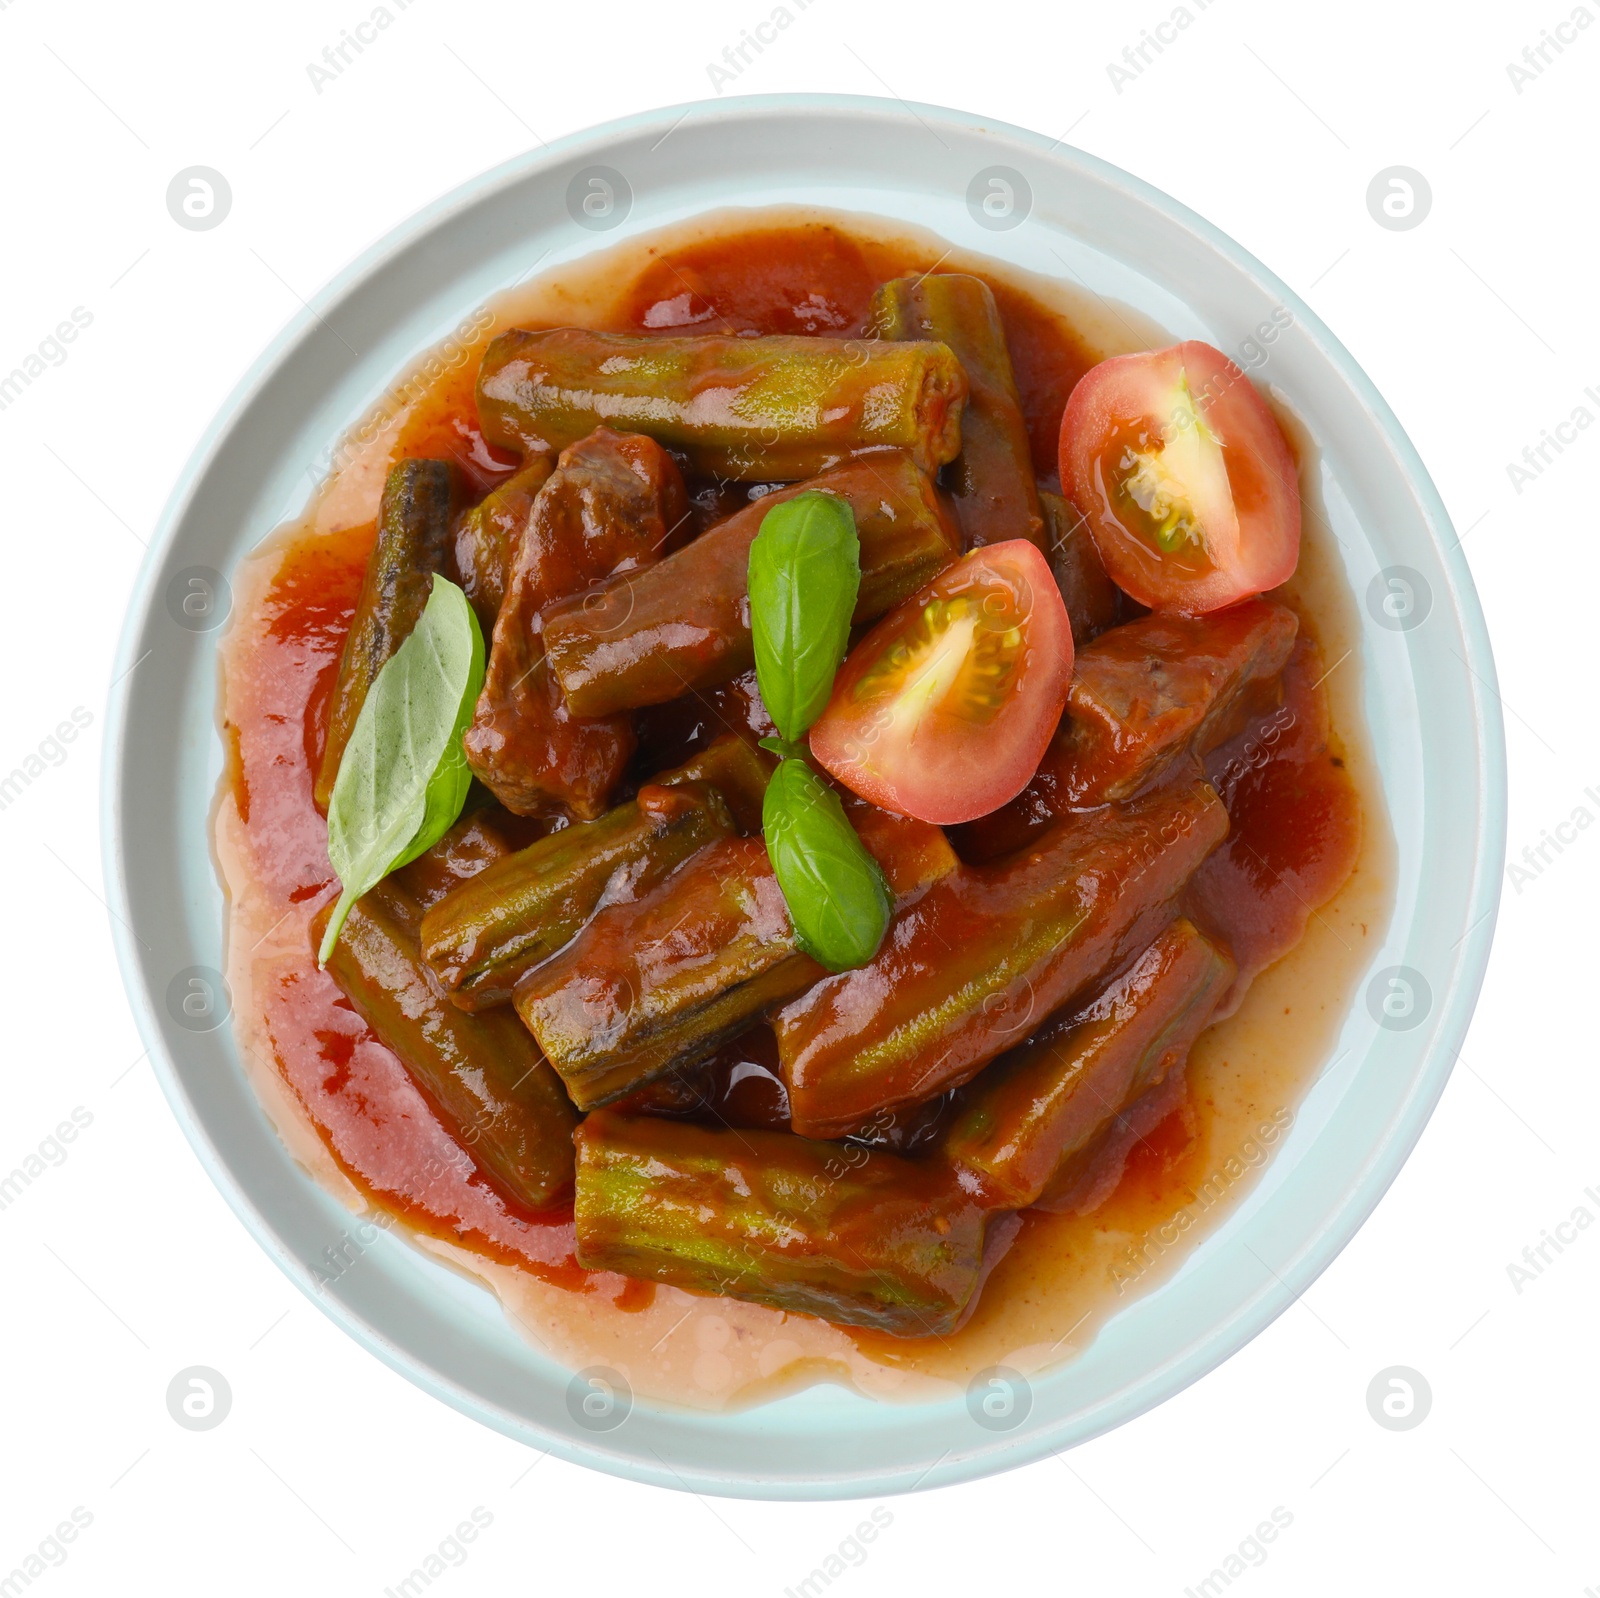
(805, 573)
(839, 902)
(404, 776)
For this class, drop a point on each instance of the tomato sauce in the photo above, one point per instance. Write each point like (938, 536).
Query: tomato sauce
(818, 279)
(375, 1121)
(1297, 811)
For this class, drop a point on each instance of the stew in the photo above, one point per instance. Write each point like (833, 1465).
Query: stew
(866, 821)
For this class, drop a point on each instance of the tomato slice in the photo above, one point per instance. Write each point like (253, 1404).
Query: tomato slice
(943, 710)
(1184, 478)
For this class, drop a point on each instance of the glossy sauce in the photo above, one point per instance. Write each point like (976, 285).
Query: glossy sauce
(1306, 818)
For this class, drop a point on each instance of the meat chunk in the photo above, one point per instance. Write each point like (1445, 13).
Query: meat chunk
(615, 503)
(1152, 692)
(1146, 697)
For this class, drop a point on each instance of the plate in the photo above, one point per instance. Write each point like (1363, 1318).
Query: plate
(1430, 703)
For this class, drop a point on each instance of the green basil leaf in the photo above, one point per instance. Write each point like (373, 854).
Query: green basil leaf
(783, 749)
(839, 903)
(805, 573)
(404, 776)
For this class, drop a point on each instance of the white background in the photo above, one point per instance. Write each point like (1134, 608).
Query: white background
(122, 1265)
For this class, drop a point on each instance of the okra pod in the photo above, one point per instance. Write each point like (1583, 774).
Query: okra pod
(991, 480)
(856, 1236)
(482, 939)
(615, 502)
(736, 768)
(660, 982)
(483, 1073)
(645, 637)
(1093, 601)
(1032, 1114)
(413, 543)
(770, 409)
(489, 535)
(987, 955)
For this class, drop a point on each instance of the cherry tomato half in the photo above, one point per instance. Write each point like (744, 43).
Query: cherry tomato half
(1183, 477)
(943, 710)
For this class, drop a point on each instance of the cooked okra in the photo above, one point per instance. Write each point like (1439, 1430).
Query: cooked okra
(757, 409)
(856, 1236)
(991, 479)
(484, 1074)
(413, 543)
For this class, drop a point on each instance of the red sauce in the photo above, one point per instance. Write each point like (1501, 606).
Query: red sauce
(1296, 823)
(1296, 817)
(443, 425)
(1294, 835)
(373, 1118)
(810, 279)
(815, 279)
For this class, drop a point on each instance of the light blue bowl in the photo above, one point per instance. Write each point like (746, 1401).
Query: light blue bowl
(1431, 704)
